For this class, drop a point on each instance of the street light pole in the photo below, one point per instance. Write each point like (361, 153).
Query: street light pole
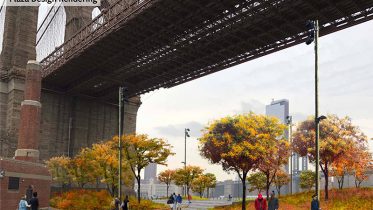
(317, 128)
(120, 133)
(186, 134)
(290, 124)
(313, 27)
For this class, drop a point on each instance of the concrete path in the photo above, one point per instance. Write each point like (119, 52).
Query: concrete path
(206, 204)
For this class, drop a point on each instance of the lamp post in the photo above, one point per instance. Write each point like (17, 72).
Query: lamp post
(186, 134)
(289, 122)
(120, 133)
(313, 30)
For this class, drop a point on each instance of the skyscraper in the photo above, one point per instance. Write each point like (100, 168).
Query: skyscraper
(150, 172)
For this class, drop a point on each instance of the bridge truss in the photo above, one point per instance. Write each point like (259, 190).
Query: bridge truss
(153, 44)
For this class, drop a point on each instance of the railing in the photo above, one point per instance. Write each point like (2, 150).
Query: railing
(103, 24)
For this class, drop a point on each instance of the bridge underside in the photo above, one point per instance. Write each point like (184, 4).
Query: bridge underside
(165, 43)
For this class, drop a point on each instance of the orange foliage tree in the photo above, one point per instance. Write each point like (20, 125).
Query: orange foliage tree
(277, 149)
(141, 150)
(282, 178)
(166, 177)
(235, 142)
(336, 137)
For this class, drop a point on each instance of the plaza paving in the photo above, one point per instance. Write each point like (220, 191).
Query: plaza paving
(205, 204)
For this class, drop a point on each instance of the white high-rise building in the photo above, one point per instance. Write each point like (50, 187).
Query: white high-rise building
(280, 109)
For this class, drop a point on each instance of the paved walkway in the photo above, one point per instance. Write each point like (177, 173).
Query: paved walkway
(206, 204)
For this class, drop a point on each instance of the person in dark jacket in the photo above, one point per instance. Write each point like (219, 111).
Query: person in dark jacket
(273, 202)
(315, 203)
(34, 202)
(260, 203)
(125, 203)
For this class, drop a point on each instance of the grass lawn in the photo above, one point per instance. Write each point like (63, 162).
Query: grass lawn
(346, 199)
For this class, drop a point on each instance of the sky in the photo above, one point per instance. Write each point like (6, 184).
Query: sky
(345, 88)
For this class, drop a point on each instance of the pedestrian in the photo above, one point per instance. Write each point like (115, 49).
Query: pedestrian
(273, 202)
(189, 199)
(260, 203)
(315, 203)
(175, 201)
(29, 191)
(116, 203)
(34, 202)
(229, 197)
(125, 203)
(171, 201)
(179, 200)
(23, 203)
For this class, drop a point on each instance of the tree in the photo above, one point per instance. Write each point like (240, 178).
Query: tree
(185, 176)
(211, 183)
(59, 169)
(82, 169)
(336, 134)
(281, 179)
(307, 179)
(257, 181)
(235, 143)
(199, 184)
(203, 183)
(277, 150)
(362, 163)
(166, 177)
(105, 157)
(142, 150)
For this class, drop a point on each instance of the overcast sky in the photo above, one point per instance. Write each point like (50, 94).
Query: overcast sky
(346, 84)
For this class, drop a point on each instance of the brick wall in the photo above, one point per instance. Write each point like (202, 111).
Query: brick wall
(29, 174)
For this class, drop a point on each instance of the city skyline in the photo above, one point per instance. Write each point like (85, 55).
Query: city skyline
(345, 89)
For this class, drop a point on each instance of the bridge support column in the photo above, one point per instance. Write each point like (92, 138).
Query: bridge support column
(76, 18)
(29, 131)
(18, 47)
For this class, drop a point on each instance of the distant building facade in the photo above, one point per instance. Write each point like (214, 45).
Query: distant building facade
(150, 172)
(280, 109)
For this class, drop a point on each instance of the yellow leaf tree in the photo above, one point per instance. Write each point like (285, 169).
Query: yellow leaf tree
(185, 176)
(166, 177)
(106, 161)
(141, 150)
(203, 183)
(337, 135)
(59, 169)
(211, 183)
(277, 149)
(235, 142)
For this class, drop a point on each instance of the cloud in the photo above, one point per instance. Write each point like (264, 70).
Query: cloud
(178, 129)
(252, 105)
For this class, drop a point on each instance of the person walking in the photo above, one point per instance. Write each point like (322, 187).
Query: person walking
(116, 203)
(23, 203)
(171, 201)
(179, 200)
(125, 203)
(175, 201)
(315, 203)
(34, 202)
(260, 203)
(189, 199)
(273, 202)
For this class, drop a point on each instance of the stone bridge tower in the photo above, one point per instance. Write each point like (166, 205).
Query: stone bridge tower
(68, 122)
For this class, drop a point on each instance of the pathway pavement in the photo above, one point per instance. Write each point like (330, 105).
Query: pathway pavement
(205, 204)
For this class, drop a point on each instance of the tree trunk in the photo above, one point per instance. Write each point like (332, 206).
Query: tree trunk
(267, 185)
(326, 174)
(138, 187)
(244, 191)
(208, 192)
(167, 189)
